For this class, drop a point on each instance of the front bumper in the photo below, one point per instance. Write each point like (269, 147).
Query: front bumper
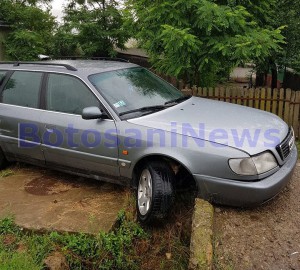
(245, 194)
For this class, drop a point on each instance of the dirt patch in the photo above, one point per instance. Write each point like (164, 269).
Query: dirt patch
(9, 239)
(169, 244)
(267, 237)
(56, 261)
(49, 185)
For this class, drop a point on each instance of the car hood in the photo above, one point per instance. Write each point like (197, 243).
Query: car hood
(244, 128)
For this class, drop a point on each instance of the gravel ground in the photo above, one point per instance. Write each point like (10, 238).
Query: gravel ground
(267, 237)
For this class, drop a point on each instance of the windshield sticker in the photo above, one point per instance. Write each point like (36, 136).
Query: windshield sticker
(120, 103)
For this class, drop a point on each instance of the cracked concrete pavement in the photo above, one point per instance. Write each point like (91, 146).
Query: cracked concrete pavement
(41, 199)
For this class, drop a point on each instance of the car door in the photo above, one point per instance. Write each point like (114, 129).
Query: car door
(68, 141)
(20, 125)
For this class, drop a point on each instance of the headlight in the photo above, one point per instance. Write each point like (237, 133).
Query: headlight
(253, 165)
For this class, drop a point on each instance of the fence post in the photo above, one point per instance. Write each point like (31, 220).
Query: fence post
(238, 94)
(292, 106)
(222, 94)
(274, 103)
(200, 91)
(217, 93)
(268, 103)
(251, 96)
(256, 101)
(263, 101)
(228, 94)
(287, 105)
(296, 114)
(204, 92)
(280, 107)
(194, 90)
(210, 92)
(245, 95)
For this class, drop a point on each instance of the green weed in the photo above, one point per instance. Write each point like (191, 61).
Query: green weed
(113, 250)
(6, 173)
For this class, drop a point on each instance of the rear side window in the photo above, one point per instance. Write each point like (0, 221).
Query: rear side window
(2, 75)
(23, 89)
(68, 94)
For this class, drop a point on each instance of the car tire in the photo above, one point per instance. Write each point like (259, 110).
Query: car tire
(155, 191)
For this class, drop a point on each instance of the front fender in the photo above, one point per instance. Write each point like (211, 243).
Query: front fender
(196, 155)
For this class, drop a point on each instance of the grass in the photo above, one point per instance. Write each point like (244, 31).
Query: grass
(6, 173)
(298, 147)
(129, 246)
(27, 250)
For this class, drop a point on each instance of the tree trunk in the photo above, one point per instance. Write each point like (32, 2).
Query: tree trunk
(284, 78)
(259, 79)
(274, 77)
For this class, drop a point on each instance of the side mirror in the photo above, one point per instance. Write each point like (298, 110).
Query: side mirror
(90, 113)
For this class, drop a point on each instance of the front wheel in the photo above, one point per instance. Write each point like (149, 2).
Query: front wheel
(155, 191)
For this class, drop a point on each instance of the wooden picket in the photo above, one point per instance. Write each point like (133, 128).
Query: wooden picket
(283, 102)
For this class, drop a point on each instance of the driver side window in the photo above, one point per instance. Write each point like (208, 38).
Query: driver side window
(68, 94)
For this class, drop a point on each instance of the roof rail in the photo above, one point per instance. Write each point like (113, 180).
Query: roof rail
(93, 58)
(16, 64)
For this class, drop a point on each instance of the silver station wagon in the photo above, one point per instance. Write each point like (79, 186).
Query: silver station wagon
(118, 122)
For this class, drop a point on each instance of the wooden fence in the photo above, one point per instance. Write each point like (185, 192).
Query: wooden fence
(283, 102)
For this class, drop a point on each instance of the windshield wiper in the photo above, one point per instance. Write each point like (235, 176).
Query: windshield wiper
(148, 108)
(178, 100)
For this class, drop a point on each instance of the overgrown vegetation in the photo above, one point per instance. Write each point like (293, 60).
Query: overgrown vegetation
(128, 246)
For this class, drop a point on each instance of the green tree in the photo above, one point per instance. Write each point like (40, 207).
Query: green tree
(200, 40)
(97, 26)
(31, 29)
(65, 42)
(288, 14)
(264, 13)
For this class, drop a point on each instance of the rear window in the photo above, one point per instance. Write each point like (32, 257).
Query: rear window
(23, 89)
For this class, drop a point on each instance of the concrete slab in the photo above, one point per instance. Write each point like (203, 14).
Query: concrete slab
(47, 200)
(201, 248)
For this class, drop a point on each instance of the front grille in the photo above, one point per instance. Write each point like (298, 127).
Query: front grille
(285, 147)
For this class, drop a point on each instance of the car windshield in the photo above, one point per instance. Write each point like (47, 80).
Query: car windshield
(133, 89)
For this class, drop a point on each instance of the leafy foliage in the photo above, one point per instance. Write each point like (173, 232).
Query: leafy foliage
(31, 29)
(7, 226)
(200, 39)
(65, 43)
(288, 14)
(97, 26)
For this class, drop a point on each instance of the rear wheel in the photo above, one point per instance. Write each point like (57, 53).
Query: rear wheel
(155, 191)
